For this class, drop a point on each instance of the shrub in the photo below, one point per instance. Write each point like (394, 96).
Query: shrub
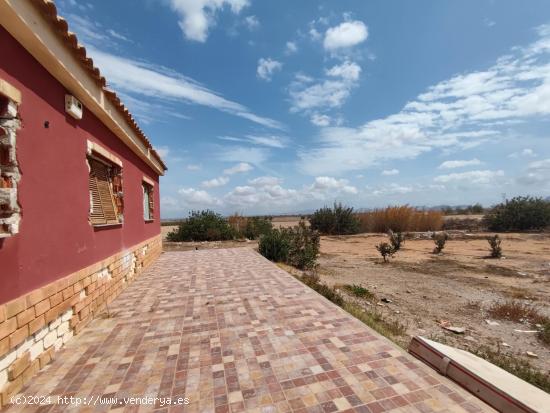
(519, 214)
(257, 226)
(400, 219)
(338, 220)
(275, 245)
(514, 310)
(298, 246)
(313, 282)
(304, 246)
(358, 291)
(385, 250)
(494, 243)
(440, 239)
(202, 226)
(397, 239)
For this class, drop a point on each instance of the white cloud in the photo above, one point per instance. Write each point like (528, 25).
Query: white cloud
(527, 153)
(196, 197)
(252, 22)
(459, 163)
(265, 181)
(255, 156)
(272, 141)
(349, 71)
(393, 189)
(324, 183)
(117, 35)
(459, 113)
(216, 182)
(239, 168)
(330, 93)
(196, 16)
(537, 173)
(163, 151)
(137, 77)
(390, 172)
(267, 67)
(345, 35)
(488, 22)
(485, 177)
(291, 48)
(320, 120)
(268, 191)
(193, 167)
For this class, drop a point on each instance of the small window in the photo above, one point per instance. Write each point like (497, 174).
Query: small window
(148, 202)
(106, 197)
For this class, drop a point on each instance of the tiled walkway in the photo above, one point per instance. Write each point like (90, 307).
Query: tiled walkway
(232, 332)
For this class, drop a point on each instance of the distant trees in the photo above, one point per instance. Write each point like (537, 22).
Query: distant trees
(519, 214)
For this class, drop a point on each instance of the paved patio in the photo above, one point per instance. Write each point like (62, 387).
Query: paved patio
(232, 332)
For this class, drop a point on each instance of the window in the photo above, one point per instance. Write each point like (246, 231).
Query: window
(106, 197)
(148, 201)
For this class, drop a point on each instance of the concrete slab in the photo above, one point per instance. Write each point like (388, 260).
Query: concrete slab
(500, 389)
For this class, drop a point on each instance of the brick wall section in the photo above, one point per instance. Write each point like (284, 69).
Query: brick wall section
(34, 326)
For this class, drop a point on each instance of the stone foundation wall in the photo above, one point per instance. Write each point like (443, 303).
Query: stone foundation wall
(9, 169)
(34, 326)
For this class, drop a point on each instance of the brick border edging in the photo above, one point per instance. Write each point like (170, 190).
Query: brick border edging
(35, 325)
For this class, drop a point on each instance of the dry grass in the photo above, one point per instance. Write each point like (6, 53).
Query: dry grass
(515, 365)
(237, 222)
(400, 219)
(514, 310)
(388, 327)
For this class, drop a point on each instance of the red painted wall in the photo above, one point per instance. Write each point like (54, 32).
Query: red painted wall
(55, 237)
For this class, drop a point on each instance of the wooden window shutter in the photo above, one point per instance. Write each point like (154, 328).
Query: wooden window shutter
(151, 203)
(103, 208)
(117, 191)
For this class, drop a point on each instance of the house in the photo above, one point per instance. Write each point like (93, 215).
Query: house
(79, 190)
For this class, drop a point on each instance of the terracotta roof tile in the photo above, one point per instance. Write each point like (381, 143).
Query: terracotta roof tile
(60, 25)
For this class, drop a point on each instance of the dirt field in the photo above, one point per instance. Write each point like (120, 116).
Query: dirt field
(457, 286)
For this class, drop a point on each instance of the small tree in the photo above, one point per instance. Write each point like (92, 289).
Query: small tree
(494, 243)
(397, 239)
(440, 239)
(385, 250)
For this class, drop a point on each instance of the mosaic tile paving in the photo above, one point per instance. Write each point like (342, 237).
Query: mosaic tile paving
(232, 332)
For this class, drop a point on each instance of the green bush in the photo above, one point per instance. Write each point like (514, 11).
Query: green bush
(275, 245)
(298, 246)
(257, 226)
(519, 214)
(338, 220)
(202, 226)
(304, 246)
(358, 291)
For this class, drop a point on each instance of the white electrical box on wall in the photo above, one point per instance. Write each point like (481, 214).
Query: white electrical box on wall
(73, 106)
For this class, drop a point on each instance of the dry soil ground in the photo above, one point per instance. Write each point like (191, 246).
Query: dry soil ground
(458, 286)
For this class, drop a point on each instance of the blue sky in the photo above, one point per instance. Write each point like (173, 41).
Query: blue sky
(284, 106)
